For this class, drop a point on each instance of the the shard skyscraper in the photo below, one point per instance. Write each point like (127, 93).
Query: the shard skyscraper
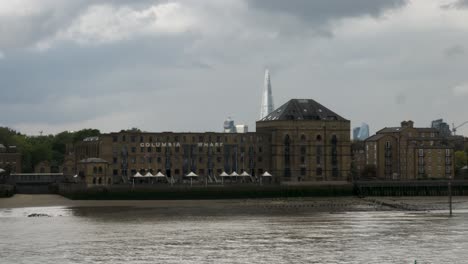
(267, 97)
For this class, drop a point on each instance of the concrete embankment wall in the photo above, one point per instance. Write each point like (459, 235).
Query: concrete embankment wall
(411, 188)
(116, 192)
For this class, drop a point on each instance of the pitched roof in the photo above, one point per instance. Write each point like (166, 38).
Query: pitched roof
(302, 109)
(375, 137)
(390, 130)
(93, 160)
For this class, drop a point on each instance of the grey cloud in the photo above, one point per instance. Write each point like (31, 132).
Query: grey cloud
(454, 51)
(457, 4)
(25, 31)
(321, 11)
(70, 69)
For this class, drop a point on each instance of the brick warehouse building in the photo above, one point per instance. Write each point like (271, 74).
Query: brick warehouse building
(300, 141)
(409, 153)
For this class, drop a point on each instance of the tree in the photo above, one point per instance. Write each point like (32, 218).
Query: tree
(84, 133)
(461, 159)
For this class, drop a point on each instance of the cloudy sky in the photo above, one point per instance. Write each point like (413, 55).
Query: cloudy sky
(186, 65)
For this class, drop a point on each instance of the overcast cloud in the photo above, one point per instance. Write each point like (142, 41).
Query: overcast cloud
(186, 65)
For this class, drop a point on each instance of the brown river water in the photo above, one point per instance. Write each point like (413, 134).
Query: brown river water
(231, 232)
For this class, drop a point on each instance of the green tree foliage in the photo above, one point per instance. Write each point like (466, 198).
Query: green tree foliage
(461, 160)
(35, 149)
(84, 133)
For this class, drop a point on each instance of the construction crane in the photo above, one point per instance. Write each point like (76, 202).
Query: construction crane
(454, 128)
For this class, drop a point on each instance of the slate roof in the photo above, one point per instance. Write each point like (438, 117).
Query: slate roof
(375, 137)
(93, 160)
(390, 130)
(302, 109)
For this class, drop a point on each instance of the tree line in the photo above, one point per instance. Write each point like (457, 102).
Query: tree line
(35, 149)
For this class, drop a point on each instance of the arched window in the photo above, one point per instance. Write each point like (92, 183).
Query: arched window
(94, 180)
(109, 181)
(319, 138)
(95, 169)
(303, 138)
(100, 180)
(100, 169)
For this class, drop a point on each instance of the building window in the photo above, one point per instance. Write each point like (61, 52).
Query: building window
(287, 156)
(133, 160)
(114, 138)
(150, 139)
(149, 149)
(142, 149)
(177, 149)
(260, 150)
(132, 138)
(114, 160)
(115, 172)
(303, 159)
(260, 159)
(335, 172)
(142, 139)
(318, 171)
(319, 138)
(150, 160)
(303, 150)
(159, 159)
(158, 149)
(124, 138)
(133, 149)
(303, 171)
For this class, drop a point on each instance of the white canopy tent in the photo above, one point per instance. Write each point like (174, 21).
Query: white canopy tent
(137, 175)
(224, 174)
(191, 175)
(244, 174)
(160, 175)
(234, 174)
(265, 174)
(148, 174)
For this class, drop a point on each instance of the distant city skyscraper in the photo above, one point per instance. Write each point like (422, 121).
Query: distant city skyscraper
(229, 126)
(356, 133)
(444, 128)
(363, 132)
(267, 97)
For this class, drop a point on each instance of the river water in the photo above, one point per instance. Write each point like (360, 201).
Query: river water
(155, 235)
